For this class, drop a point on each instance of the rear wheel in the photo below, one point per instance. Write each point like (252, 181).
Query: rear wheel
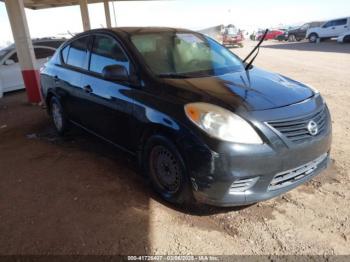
(346, 39)
(167, 171)
(291, 38)
(57, 115)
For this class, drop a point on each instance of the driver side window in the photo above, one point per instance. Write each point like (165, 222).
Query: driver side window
(328, 24)
(106, 51)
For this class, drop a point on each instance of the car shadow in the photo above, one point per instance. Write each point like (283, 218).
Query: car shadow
(66, 196)
(324, 46)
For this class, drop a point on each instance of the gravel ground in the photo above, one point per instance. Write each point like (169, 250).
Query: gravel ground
(77, 195)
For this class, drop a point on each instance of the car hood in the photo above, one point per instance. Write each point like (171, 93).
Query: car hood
(252, 90)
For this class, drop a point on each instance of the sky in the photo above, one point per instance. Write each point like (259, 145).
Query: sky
(192, 14)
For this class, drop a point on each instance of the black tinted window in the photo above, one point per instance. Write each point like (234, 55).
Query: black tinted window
(77, 52)
(339, 22)
(14, 57)
(106, 51)
(50, 43)
(41, 53)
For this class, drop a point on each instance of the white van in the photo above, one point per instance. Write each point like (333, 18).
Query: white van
(329, 29)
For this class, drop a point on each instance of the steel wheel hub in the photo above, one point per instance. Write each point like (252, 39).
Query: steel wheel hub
(165, 168)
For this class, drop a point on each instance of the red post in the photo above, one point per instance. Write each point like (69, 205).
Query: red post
(32, 83)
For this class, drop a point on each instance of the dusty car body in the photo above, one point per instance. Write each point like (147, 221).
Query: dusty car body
(202, 126)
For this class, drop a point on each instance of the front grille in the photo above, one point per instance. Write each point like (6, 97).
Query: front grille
(296, 130)
(287, 178)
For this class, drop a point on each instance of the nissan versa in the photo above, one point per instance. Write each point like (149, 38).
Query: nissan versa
(204, 125)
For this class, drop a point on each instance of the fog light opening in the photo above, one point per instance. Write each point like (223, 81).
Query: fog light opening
(242, 185)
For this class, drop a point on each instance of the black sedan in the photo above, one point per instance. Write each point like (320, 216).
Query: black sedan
(202, 124)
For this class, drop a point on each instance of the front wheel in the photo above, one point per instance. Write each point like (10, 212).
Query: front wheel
(167, 171)
(313, 38)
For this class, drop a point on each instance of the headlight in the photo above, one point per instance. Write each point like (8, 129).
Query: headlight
(221, 123)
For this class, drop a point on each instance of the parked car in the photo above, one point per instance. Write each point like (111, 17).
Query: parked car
(299, 33)
(344, 38)
(232, 36)
(272, 34)
(282, 37)
(329, 29)
(202, 124)
(10, 71)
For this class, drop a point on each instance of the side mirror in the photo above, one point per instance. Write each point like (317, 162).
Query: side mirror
(115, 72)
(9, 62)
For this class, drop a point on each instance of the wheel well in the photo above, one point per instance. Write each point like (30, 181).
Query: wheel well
(313, 33)
(48, 99)
(151, 130)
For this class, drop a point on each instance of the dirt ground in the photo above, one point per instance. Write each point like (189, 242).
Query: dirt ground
(77, 195)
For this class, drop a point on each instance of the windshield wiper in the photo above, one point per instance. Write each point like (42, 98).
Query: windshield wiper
(254, 49)
(173, 75)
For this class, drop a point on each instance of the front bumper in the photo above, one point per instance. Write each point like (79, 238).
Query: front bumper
(215, 166)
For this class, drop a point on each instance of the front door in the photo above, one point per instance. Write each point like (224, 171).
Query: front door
(109, 103)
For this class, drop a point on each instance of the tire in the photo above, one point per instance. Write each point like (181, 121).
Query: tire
(58, 117)
(346, 39)
(313, 38)
(291, 38)
(167, 171)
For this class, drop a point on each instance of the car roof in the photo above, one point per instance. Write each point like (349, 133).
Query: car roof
(143, 30)
(136, 30)
(37, 42)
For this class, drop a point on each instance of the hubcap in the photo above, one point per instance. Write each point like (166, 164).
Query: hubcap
(313, 38)
(165, 168)
(57, 116)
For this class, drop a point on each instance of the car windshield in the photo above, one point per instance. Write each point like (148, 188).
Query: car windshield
(232, 31)
(173, 54)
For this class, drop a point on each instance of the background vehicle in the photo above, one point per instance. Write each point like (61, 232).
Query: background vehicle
(344, 38)
(231, 36)
(10, 72)
(272, 34)
(299, 33)
(329, 29)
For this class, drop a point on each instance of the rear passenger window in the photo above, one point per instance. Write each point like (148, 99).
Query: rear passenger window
(77, 52)
(65, 54)
(339, 22)
(106, 51)
(41, 53)
(14, 57)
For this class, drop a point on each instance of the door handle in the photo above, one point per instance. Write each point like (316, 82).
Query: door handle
(56, 79)
(87, 89)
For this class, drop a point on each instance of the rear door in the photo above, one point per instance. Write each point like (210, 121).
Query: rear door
(68, 78)
(109, 104)
(340, 26)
